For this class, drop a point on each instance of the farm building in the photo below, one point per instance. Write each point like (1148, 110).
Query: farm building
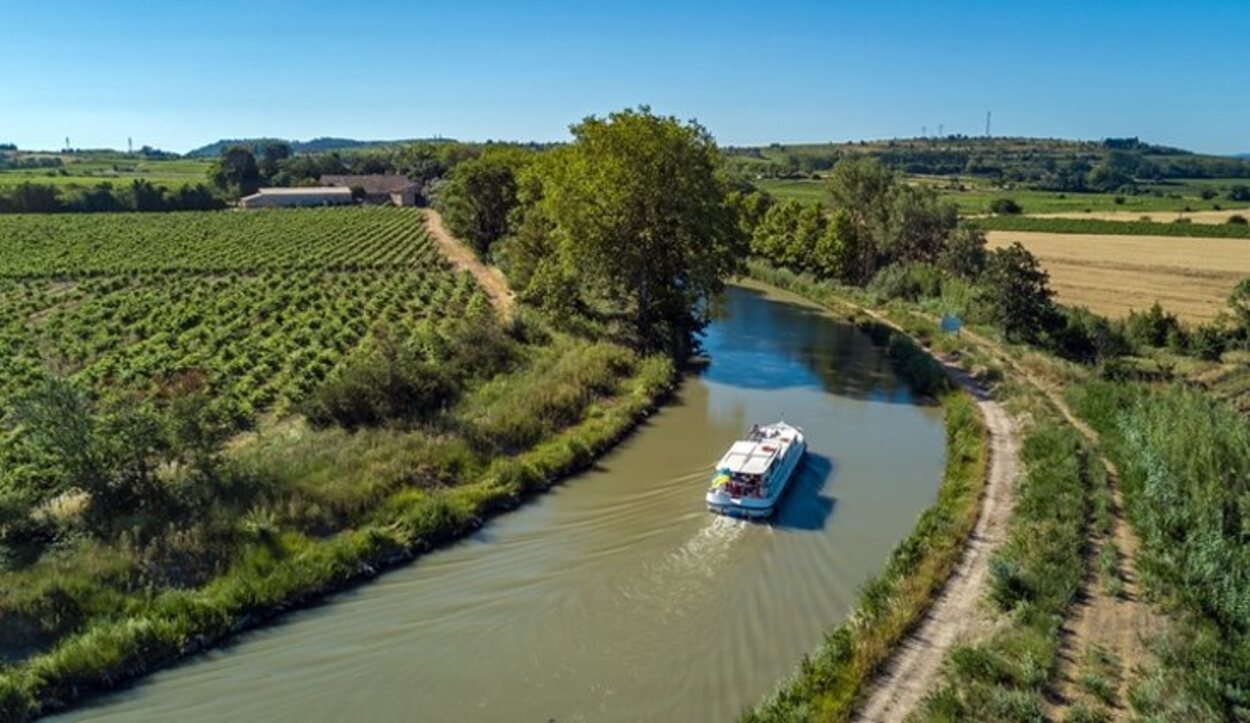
(379, 187)
(289, 197)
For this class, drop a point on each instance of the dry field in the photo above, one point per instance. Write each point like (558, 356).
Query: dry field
(1213, 217)
(1112, 275)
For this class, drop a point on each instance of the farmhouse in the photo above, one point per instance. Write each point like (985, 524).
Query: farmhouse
(379, 187)
(289, 197)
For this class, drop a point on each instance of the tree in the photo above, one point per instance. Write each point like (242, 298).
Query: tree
(1005, 206)
(1239, 193)
(236, 172)
(638, 207)
(917, 226)
(271, 155)
(1239, 303)
(479, 196)
(964, 255)
(1016, 293)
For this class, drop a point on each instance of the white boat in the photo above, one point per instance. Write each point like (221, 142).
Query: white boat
(753, 474)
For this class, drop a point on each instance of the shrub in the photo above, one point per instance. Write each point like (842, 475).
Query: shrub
(377, 387)
(1237, 220)
(1153, 327)
(1005, 207)
(907, 281)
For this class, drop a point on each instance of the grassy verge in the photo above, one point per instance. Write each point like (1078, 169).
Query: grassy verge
(282, 559)
(1033, 581)
(829, 682)
(1184, 463)
(1099, 226)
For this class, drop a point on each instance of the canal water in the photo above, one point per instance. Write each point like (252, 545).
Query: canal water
(617, 596)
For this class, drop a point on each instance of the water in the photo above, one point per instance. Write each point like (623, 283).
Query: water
(616, 596)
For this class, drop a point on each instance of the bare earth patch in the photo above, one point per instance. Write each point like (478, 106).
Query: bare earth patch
(461, 257)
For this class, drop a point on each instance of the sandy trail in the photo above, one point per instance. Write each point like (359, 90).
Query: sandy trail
(490, 278)
(912, 671)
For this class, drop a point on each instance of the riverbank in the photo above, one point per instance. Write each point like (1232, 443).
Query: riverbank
(285, 571)
(834, 679)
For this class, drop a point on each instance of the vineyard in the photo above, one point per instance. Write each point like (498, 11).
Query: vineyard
(262, 306)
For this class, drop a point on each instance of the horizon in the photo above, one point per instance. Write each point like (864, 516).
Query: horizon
(794, 72)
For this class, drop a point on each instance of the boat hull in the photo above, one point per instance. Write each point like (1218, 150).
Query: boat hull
(758, 508)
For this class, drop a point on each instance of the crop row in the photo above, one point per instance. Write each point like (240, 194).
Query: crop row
(76, 245)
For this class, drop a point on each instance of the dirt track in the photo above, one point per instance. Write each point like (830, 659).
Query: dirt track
(912, 671)
(490, 278)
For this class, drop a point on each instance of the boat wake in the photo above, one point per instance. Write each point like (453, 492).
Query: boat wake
(674, 584)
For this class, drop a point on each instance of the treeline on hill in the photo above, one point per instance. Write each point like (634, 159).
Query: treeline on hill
(139, 195)
(1114, 164)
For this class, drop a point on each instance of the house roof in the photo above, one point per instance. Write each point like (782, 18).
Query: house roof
(319, 191)
(375, 183)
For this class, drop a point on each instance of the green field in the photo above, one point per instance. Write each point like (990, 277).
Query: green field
(124, 303)
(1117, 228)
(93, 169)
(975, 196)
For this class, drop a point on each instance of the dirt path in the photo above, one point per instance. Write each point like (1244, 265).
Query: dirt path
(912, 671)
(1112, 626)
(490, 278)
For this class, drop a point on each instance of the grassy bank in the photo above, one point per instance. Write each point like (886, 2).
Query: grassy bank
(335, 507)
(1120, 228)
(830, 681)
(1184, 463)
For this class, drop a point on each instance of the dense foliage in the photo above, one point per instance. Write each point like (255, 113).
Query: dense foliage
(1184, 462)
(630, 225)
(1100, 226)
(139, 195)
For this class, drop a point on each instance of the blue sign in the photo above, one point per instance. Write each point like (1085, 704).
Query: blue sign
(951, 324)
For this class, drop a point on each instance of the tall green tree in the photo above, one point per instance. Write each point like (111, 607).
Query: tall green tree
(638, 205)
(479, 196)
(1017, 293)
(236, 171)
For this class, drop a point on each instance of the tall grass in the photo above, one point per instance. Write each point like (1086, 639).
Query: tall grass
(398, 494)
(1184, 462)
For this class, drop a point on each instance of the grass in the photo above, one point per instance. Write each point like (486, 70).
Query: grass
(973, 196)
(118, 170)
(831, 680)
(1184, 461)
(1113, 228)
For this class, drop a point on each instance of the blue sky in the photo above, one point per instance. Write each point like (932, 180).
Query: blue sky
(179, 74)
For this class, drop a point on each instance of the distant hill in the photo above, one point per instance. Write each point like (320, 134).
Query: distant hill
(316, 145)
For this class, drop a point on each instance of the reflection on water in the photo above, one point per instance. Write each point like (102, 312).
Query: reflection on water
(616, 596)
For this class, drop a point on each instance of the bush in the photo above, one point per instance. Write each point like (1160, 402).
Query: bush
(1237, 220)
(1005, 207)
(911, 282)
(1153, 327)
(377, 387)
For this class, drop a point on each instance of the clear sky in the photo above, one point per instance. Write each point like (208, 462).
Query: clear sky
(181, 73)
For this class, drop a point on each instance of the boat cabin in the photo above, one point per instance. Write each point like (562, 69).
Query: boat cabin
(746, 466)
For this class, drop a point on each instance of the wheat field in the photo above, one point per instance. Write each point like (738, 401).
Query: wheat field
(1113, 275)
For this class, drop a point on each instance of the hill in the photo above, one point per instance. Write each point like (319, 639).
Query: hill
(316, 145)
(1048, 163)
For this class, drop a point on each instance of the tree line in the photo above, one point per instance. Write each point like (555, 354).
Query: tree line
(139, 195)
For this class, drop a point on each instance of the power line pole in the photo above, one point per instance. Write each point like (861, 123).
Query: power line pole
(987, 124)
(941, 128)
(130, 145)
